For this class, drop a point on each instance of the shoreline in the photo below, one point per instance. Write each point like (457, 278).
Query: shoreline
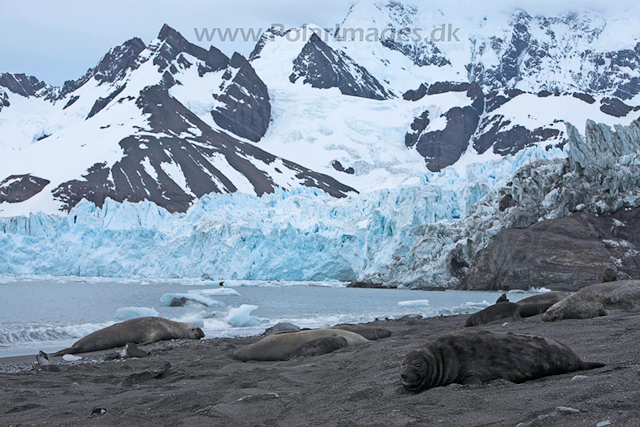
(199, 383)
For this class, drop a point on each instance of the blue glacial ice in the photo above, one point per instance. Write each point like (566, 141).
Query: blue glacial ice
(406, 236)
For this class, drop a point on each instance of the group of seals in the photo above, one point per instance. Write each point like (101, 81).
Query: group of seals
(595, 300)
(480, 356)
(526, 307)
(143, 330)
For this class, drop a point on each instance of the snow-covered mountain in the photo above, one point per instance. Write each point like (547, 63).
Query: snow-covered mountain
(426, 113)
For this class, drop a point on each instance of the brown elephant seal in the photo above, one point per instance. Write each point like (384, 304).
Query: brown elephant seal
(319, 346)
(475, 357)
(595, 300)
(368, 332)
(143, 330)
(501, 310)
(538, 304)
(281, 346)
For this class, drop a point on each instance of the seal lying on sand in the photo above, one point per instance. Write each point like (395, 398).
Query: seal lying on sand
(282, 346)
(538, 304)
(494, 312)
(366, 331)
(143, 330)
(474, 357)
(595, 300)
(319, 346)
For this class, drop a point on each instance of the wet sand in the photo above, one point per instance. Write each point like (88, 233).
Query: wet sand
(359, 386)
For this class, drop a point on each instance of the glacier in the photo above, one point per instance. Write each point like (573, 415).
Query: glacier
(418, 235)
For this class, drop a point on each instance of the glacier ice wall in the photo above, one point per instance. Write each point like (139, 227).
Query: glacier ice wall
(416, 235)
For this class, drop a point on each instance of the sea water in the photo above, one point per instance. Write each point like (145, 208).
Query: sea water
(51, 313)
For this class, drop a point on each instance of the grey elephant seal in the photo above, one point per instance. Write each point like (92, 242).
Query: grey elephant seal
(281, 346)
(319, 346)
(609, 275)
(502, 298)
(368, 332)
(143, 330)
(475, 357)
(538, 304)
(501, 310)
(281, 327)
(595, 300)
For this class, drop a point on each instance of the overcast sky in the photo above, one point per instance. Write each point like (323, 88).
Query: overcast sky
(59, 40)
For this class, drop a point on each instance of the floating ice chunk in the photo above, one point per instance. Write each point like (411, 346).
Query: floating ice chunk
(478, 305)
(414, 303)
(177, 300)
(216, 291)
(126, 313)
(241, 316)
(71, 358)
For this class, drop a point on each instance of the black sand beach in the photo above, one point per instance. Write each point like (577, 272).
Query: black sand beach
(357, 386)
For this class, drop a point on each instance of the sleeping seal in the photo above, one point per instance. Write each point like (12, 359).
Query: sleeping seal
(143, 330)
(282, 346)
(494, 312)
(319, 346)
(474, 357)
(368, 332)
(595, 300)
(538, 304)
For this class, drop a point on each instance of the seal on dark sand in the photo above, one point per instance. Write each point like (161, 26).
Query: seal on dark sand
(538, 304)
(281, 346)
(319, 346)
(143, 330)
(475, 357)
(595, 300)
(368, 332)
(494, 312)
(502, 298)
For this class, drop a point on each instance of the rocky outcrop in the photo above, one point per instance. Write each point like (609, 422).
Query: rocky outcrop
(172, 171)
(23, 85)
(322, 67)
(18, 188)
(560, 254)
(246, 110)
(443, 147)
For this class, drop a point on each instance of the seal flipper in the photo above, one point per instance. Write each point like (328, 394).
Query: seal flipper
(70, 350)
(471, 379)
(592, 365)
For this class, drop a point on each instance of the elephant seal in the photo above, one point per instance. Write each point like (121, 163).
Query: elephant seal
(281, 327)
(492, 313)
(538, 304)
(319, 346)
(281, 346)
(502, 298)
(609, 275)
(368, 332)
(595, 300)
(143, 330)
(475, 357)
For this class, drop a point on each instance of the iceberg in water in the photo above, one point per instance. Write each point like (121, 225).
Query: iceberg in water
(241, 316)
(179, 299)
(414, 303)
(126, 313)
(216, 291)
